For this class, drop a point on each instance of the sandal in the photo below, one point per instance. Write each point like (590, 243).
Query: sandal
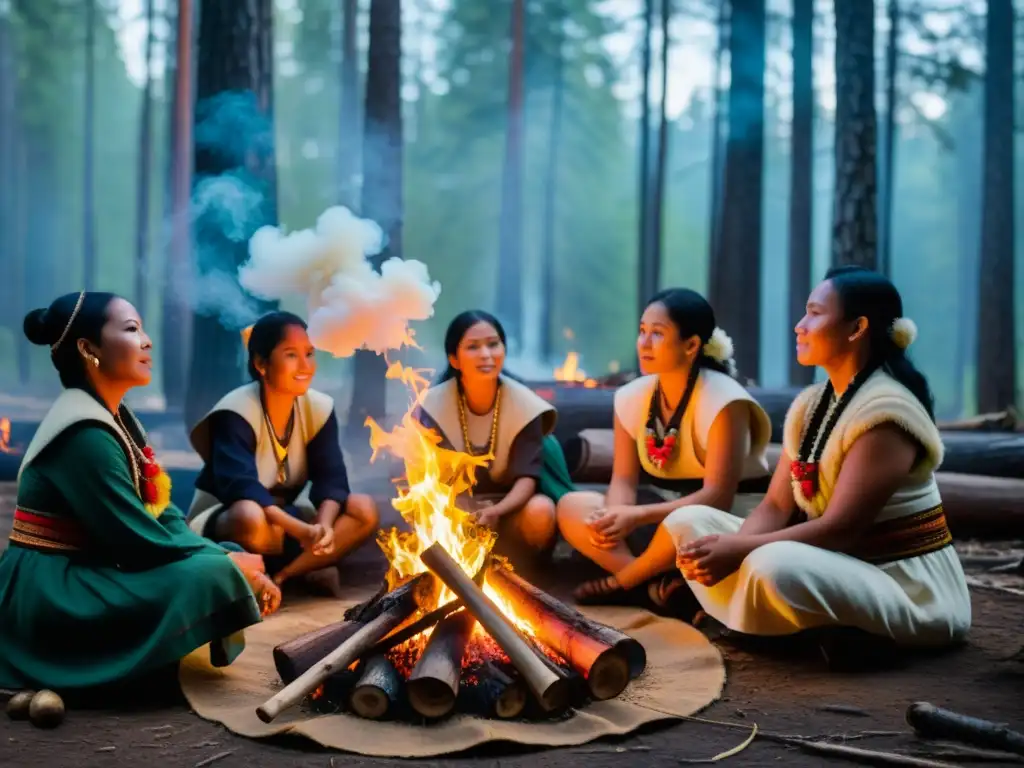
(606, 591)
(671, 596)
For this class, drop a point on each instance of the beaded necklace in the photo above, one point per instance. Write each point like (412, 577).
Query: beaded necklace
(280, 446)
(492, 442)
(660, 448)
(804, 468)
(151, 483)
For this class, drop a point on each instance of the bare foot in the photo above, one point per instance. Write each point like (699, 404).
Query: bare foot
(326, 582)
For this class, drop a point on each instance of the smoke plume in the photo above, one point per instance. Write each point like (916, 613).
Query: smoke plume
(351, 305)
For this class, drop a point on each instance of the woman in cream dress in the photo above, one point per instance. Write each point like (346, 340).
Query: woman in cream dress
(869, 547)
(688, 429)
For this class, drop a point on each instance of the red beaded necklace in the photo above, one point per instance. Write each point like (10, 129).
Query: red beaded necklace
(661, 449)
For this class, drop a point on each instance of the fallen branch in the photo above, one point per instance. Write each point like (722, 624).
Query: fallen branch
(872, 756)
(935, 722)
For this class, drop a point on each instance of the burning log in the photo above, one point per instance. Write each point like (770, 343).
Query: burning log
(299, 654)
(376, 693)
(434, 681)
(606, 658)
(550, 689)
(408, 632)
(386, 614)
(494, 693)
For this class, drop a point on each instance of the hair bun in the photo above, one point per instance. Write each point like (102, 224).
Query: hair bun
(37, 328)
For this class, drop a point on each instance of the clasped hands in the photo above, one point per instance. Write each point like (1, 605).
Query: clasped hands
(610, 525)
(710, 559)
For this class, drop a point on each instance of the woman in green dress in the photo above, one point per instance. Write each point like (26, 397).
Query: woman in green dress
(102, 581)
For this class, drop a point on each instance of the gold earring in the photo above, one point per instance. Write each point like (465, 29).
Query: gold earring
(95, 362)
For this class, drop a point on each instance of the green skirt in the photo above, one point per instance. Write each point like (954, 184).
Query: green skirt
(555, 480)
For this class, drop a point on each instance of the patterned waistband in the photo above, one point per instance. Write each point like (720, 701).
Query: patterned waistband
(905, 537)
(46, 533)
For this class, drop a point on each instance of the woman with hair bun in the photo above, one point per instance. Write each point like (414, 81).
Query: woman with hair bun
(686, 429)
(103, 581)
(851, 535)
(274, 480)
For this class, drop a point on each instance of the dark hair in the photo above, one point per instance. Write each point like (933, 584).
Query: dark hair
(267, 334)
(866, 293)
(457, 328)
(691, 314)
(46, 327)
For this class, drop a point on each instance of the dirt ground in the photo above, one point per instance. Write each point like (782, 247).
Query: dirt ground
(780, 695)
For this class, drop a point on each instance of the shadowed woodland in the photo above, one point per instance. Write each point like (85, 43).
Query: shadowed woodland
(555, 162)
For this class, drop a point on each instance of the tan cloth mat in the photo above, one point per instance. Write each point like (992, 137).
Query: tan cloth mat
(684, 674)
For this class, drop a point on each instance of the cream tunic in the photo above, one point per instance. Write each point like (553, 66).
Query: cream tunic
(712, 393)
(312, 411)
(784, 587)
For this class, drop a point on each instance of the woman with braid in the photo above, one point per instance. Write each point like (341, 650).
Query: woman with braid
(851, 534)
(687, 430)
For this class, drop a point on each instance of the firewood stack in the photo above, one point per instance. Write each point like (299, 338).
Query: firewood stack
(476, 660)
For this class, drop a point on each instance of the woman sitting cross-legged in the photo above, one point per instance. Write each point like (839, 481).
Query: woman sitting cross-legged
(870, 549)
(687, 428)
(274, 480)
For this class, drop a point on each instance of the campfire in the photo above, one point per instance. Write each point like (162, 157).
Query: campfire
(5, 435)
(453, 628)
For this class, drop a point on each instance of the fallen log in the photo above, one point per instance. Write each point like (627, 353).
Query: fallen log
(433, 684)
(386, 614)
(487, 691)
(982, 507)
(991, 454)
(935, 722)
(1003, 421)
(377, 692)
(606, 658)
(550, 689)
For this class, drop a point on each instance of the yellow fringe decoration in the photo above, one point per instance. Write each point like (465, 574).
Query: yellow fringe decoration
(162, 482)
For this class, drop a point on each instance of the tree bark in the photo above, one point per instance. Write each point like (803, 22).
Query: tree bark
(855, 216)
(177, 264)
(89, 151)
(652, 274)
(382, 187)
(235, 112)
(547, 323)
(348, 123)
(889, 139)
(644, 212)
(142, 190)
(717, 151)
(735, 285)
(510, 246)
(997, 352)
(10, 252)
(801, 194)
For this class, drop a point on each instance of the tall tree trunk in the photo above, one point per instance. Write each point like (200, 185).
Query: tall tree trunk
(997, 350)
(89, 151)
(888, 198)
(382, 189)
(801, 195)
(644, 248)
(855, 214)
(348, 123)
(547, 325)
(176, 325)
(510, 246)
(234, 109)
(652, 274)
(717, 150)
(143, 182)
(968, 170)
(735, 285)
(9, 251)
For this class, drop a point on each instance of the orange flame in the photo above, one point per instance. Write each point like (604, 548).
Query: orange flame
(5, 435)
(570, 370)
(427, 496)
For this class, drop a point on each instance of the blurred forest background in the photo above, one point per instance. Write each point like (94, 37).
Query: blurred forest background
(503, 148)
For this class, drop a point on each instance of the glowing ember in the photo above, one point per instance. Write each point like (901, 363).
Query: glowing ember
(5, 435)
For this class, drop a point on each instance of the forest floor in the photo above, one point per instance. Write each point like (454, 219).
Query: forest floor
(780, 695)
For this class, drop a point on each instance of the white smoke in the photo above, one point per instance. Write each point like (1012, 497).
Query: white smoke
(351, 306)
